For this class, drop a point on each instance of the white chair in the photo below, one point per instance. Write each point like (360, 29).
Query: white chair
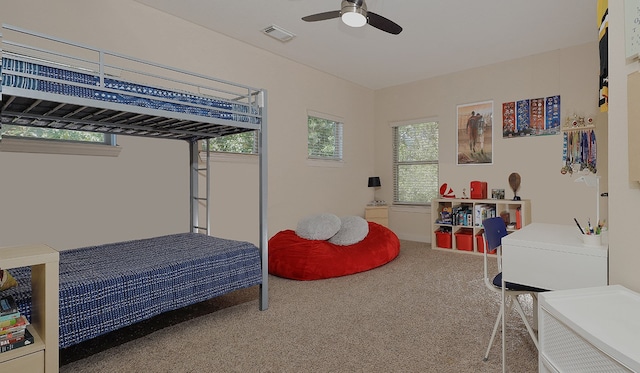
(494, 230)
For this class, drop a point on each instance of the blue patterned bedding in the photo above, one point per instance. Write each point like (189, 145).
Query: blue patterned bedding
(107, 287)
(52, 78)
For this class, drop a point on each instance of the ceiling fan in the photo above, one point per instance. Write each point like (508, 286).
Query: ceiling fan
(354, 13)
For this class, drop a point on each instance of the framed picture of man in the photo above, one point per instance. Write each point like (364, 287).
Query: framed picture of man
(475, 133)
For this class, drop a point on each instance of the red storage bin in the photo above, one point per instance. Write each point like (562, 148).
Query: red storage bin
(480, 242)
(464, 239)
(443, 239)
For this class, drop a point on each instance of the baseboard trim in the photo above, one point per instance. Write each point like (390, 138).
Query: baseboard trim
(414, 237)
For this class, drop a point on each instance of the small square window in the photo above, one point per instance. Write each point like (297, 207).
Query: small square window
(324, 138)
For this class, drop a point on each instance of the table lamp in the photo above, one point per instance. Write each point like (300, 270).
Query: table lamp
(374, 182)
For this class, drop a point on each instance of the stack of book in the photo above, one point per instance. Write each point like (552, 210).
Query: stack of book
(13, 326)
(483, 212)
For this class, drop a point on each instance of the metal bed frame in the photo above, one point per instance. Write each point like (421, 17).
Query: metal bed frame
(246, 106)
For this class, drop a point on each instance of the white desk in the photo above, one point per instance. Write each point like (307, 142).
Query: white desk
(553, 257)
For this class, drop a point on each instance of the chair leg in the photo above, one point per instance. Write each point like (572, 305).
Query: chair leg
(534, 296)
(516, 304)
(493, 335)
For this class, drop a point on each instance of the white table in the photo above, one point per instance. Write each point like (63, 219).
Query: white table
(552, 257)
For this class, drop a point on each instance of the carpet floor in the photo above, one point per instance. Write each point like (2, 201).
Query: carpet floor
(426, 311)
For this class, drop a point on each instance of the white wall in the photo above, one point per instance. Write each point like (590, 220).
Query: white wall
(571, 73)
(624, 253)
(71, 201)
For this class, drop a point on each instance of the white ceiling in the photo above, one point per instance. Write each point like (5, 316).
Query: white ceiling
(438, 37)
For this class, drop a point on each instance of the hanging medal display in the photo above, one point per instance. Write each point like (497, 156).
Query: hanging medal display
(579, 150)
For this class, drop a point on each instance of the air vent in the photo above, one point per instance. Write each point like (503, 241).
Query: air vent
(279, 33)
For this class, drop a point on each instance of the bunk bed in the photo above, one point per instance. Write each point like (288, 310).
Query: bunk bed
(49, 82)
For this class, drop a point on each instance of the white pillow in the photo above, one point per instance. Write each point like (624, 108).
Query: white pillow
(318, 227)
(352, 230)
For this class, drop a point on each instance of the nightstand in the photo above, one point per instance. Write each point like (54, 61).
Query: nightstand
(377, 214)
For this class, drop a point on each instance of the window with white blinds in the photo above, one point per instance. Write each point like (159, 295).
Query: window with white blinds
(415, 162)
(324, 137)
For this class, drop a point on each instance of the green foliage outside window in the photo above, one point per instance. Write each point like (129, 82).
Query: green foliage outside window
(51, 133)
(415, 163)
(324, 138)
(244, 143)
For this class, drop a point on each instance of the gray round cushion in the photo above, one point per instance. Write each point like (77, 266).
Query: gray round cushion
(352, 230)
(318, 227)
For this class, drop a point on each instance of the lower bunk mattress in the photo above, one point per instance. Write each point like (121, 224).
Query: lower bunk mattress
(107, 287)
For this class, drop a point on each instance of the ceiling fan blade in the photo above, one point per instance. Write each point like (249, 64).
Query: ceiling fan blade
(322, 16)
(383, 23)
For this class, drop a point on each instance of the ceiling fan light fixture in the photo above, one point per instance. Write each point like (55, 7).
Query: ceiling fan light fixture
(354, 14)
(354, 19)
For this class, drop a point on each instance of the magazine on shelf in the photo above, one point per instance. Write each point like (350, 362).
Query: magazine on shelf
(12, 340)
(12, 335)
(8, 324)
(9, 317)
(25, 341)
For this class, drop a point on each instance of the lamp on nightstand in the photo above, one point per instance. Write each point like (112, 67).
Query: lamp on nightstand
(374, 182)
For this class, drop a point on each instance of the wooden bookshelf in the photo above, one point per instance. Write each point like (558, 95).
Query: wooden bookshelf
(42, 355)
(517, 210)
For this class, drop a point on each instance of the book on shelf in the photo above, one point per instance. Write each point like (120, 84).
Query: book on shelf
(462, 215)
(13, 337)
(8, 306)
(19, 323)
(483, 212)
(26, 340)
(7, 319)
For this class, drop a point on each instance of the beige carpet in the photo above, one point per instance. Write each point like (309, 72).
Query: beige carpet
(426, 311)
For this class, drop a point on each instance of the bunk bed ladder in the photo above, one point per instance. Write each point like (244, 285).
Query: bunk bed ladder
(198, 201)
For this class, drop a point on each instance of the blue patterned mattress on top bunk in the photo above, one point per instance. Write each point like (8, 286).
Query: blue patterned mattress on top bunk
(107, 287)
(44, 76)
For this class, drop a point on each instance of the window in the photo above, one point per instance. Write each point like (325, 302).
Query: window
(325, 137)
(57, 134)
(415, 163)
(26, 139)
(242, 143)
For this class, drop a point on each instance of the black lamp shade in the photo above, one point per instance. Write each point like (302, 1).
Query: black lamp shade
(374, 182)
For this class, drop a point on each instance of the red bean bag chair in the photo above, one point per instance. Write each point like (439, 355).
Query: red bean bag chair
(297, 258)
